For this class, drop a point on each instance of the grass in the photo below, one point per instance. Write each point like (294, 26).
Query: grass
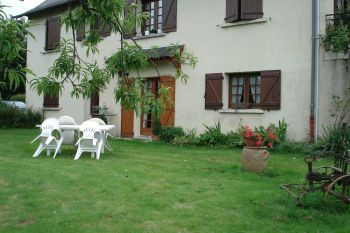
(153, 187)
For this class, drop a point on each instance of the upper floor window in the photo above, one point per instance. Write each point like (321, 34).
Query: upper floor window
(155, 10)
(53, 33)
(341, 6)
(237, 10)
(162, 17)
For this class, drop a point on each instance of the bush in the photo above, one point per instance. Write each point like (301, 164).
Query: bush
(11, 117)
(169, 133)
(29, 119)
(336, 138)
(280, 130)
(188, 139)
(234, 139)
(213, 136)
(19, 97)
(8, 116)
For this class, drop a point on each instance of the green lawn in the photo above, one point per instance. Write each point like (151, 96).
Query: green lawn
(152, 187)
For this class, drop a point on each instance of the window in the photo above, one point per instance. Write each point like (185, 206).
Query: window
(51, 101)
(260, 90)
(153, 24)
(341, 6)
(104, 30)
(94, 103)
(80, 33)
(244, 91)
(237, 10)
(163, 16)
(53, 33)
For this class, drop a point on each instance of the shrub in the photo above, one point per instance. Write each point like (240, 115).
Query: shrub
(280, 130)
(11, 117)
(234, 139)
(189, 138)
(19, 97)
(8, 116)
(29, 119)
(169, 133)
(213, 136)
(336, 138)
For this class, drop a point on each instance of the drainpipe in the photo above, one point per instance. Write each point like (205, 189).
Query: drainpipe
(314, 71)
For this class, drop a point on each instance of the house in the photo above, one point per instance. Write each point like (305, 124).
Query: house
(259, 62)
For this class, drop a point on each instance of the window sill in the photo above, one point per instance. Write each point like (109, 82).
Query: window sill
(141, 37)
(51, 108)
(49, 51)
(240, 23)
(242, 111)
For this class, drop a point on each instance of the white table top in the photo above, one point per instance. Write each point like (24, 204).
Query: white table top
(76, 127)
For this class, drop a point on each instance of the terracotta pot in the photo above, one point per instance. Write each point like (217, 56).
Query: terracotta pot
(250, 142)
(254, 159)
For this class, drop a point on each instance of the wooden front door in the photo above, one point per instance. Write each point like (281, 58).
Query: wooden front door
(152, 85)
(127, 123)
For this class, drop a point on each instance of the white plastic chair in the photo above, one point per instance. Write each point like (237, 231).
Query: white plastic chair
(90, 141)
(68, 134)
(48, 140)
(105, 133)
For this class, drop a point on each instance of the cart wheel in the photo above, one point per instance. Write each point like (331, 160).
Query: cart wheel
(339, 191)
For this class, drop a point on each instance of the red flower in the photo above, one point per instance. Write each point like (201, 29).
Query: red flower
(258, 143)
(270, 145)
(248, 135)
(272, 136)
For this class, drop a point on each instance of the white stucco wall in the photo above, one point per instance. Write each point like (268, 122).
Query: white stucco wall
(281, 42)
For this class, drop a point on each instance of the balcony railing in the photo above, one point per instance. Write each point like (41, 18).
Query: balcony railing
(338, 19)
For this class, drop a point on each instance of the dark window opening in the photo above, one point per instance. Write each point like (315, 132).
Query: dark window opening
(51, 101)
(154, 23)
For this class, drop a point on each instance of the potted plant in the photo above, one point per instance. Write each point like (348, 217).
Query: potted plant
(254, 155)
(153, 31)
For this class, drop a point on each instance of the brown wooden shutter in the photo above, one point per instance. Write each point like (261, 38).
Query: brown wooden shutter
(80, 33)
(131, 33)
(270, 90)
(94, 101)
(168, 117)
(53, 33)
(105, 30)
(251, 9)
(51, 101)
(232, 11)
(169, 15)
(213, 91)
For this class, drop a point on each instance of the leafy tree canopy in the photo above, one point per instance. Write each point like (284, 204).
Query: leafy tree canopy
(13, 34)
(87, 77)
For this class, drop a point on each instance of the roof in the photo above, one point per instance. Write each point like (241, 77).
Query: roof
(160, 52)
(44, 6)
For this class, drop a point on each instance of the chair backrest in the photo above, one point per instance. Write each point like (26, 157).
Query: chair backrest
(89, 129)
(49, 125)
(98, 121)
(66, 120)
(68, 134)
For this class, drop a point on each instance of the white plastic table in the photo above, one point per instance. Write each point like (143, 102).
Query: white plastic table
(104, 129)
